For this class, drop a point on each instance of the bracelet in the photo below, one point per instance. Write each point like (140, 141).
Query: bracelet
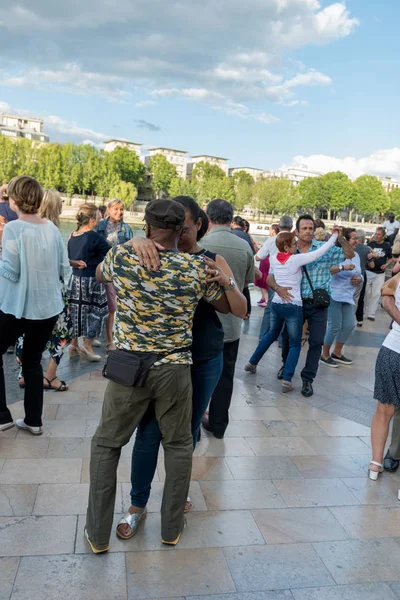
(231, 285)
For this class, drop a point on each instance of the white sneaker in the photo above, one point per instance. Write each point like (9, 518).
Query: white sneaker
(96, 343)
(20, 423)
(6, 426)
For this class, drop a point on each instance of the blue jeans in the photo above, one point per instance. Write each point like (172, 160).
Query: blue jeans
(205, 376)
(266, 320)
(291, 316)
(341, 322)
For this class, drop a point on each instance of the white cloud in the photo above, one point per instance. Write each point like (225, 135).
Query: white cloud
(239, 50)
(381, 162)
(144, 103)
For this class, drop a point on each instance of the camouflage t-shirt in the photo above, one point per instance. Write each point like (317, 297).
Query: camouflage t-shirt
(155, 309)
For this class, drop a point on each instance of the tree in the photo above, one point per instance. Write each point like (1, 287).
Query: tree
(242, 177)
(338, 191)
(204, 170)
(285, 196)
(214, 187)
(313, 194)
(370, 196)
(394, 198)
(162, 174)
(242, 183)
(127, 164)
(125, 191)
(50, 166)
(181, 187)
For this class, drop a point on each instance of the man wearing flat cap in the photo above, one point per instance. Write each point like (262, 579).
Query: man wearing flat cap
(154, 315)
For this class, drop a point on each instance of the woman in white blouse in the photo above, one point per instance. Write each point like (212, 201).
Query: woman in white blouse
(33, 262)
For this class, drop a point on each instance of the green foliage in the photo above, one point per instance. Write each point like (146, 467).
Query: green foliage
(313, 194)
(182, 187)
(394, 198)
(338, 191)
(204, 171)
(370, 196)
(241, 177)
(125, 191)
(162, 174)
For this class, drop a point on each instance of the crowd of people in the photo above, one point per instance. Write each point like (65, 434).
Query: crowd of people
(172, 305)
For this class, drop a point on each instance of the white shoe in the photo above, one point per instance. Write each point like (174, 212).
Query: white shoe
(85, 353)
(96, 343)
(373, 475)
(20, 423)
(6, 426)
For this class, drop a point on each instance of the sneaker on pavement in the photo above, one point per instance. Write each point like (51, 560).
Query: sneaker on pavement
(328, 362)
(5, 426)
(20, 423)
(390, 464)
(342, 359)
(251, 368)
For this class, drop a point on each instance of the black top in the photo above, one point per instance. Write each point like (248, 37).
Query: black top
(384, 251)
(89, 247)
(208, 334)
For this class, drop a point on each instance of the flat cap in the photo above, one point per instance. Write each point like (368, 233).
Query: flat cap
(165, 214)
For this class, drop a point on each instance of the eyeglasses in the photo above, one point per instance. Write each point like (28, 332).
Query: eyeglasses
(186, 230)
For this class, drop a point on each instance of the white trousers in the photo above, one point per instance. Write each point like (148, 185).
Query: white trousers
(375, 282)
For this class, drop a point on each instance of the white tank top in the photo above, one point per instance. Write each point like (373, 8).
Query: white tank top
(392, 340)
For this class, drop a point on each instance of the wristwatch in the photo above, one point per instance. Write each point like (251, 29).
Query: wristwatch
(232, 284)
(341, 267)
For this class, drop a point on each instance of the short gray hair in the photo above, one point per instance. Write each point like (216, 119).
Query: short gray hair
(286, 222)
(114, 201)
(360, 233)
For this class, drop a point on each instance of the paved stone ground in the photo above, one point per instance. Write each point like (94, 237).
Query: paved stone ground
(283, 506)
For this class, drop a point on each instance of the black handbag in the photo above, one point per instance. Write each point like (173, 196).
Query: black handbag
(321, 298)
(131, 368)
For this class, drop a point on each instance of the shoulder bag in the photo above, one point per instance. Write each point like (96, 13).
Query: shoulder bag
(321, 298)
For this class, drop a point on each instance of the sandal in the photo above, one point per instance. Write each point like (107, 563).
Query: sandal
(21, 385)
(188, 506)
(373, 475)
(110, 346)
(359, 324)
(247, 317)
(287, 386)
(73, 351)
(63, 387)
(132, 520)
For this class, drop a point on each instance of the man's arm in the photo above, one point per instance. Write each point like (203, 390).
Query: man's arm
(99, 273)
(283, 292)
(347, 249)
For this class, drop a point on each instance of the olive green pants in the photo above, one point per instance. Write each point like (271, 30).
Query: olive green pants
(169, 388)
(395, 443)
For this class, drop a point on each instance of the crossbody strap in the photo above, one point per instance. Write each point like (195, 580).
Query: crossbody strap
(308, 278)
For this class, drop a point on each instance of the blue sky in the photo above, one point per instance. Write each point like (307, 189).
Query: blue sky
(265, 83)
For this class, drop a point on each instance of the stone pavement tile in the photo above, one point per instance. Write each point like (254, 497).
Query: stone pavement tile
(262, 467)
(220, 529)
(179, 573)
(292, 525)
(79, 411)
(361, 561)
(49, 412)
(66, 499)
(204, 468)
(384, 491)
(304, 412)
(26, 536)
(234, 495)
(9, 433)
(271, 595)
(367, 591)
(315, 492)
(282, 446)
(91, 426)
(65, 398)
(157, 488)
(225, 447)
(395, 588)
(75, 447)
(366, 440)
(340, 428)
(8, 571)
(32, 447)
(349, 413)
(71, 578)
(81, 386)
(246, 429)
(276, 567)
(335, 446)
(256, 413)
(369, 522)
(68, 428)
(17, 500)
(41, 470)
(294, 428)
(147, 538)
(314, 467)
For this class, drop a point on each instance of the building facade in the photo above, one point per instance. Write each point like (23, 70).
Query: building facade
(110, 145)
(389, 184)
(177, 158)
(255, 173)
(23, 127)
(222, 163)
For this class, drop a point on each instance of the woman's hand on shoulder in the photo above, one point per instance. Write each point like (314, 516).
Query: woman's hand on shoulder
(147, 252)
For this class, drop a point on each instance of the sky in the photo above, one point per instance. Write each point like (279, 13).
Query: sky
(265, 83)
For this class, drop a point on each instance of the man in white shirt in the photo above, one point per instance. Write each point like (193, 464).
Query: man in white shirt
(392, 228)
(268, 249)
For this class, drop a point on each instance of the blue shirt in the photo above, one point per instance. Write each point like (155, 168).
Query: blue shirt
(123, 231)
(319, 271)
(33, 263)
(341, 288)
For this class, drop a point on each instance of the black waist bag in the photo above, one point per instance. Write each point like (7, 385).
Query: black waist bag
(321, 298)
(131, 368)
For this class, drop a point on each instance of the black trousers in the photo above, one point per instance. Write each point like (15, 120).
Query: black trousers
(317, 319)
(37, 334)
(221, 398)
(360, 306)
(246, 294)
